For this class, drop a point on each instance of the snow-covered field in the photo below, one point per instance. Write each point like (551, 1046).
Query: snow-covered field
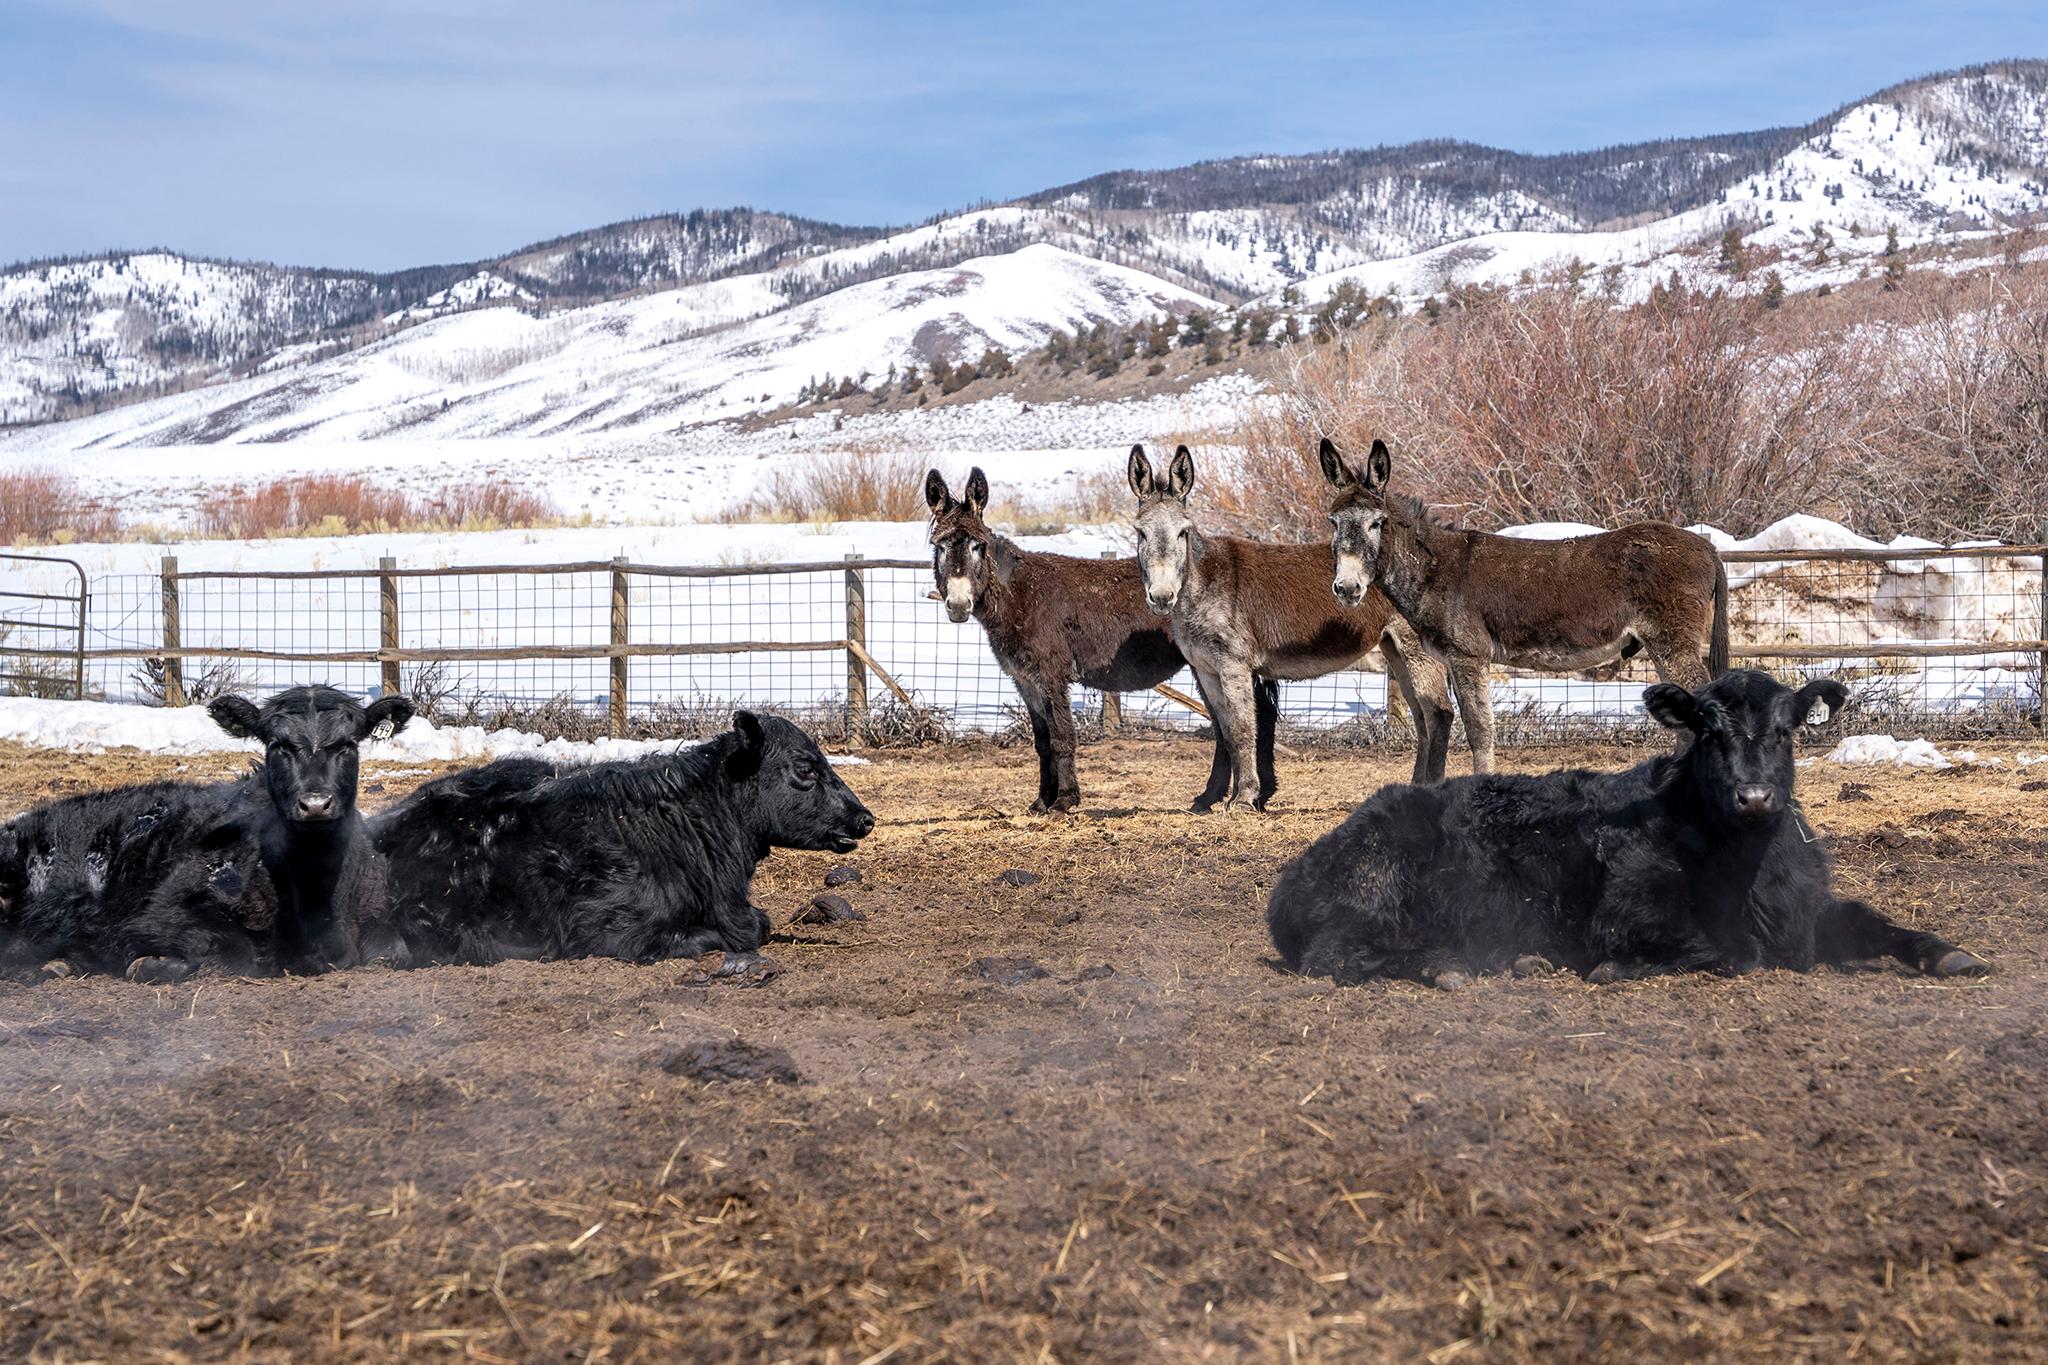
(1936, 599)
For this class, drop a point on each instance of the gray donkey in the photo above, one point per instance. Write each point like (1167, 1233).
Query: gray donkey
(1557, 606)
(1245, 610)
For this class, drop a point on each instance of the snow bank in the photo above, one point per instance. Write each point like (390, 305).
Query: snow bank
(90, 727)
(1884, 750)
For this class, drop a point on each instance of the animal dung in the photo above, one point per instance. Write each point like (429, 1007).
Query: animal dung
(827, 908)
(843, 876)
(732, 969)
(1017, 876)
(715, 1061)
(1006, 971)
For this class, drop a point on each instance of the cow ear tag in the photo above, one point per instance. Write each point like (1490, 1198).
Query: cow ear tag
(1819, 713)
(383, 730)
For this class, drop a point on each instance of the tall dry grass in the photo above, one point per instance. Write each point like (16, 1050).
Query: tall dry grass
(45, 507)
(348, 504)
(1922, 410)
(861, 484)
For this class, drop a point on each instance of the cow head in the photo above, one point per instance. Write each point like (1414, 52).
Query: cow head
(1740, 760)
(964, 551)
(1164, 525)
(798, 800)
(1358, 517)
(310, 740)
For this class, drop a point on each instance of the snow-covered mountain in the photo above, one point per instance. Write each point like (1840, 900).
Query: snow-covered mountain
(1935, 158)
(700, 353)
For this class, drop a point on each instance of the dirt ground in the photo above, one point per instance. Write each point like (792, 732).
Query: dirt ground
(1160, 1147)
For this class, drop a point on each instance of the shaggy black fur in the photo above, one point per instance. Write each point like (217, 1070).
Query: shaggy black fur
(1693, 861)
(640, 860)
(271, 871)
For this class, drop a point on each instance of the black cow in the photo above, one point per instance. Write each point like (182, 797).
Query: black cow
(328, 879)
(643, 860)
(1693, 861)
(268, 872)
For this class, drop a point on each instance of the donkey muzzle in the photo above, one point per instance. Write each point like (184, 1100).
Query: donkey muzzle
(1349, 591)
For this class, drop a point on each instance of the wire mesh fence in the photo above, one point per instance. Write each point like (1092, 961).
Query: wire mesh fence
(1941, 642)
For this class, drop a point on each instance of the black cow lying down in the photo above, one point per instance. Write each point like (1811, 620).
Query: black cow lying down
(643, 859)
(272, 871)
(1696, 861)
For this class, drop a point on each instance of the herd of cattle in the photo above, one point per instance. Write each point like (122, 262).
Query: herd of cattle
(1697, 860)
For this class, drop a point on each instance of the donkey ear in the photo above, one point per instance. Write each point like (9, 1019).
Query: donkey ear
(1334, 469)
(977, 490)
(1672, 707)
(1378, 465)
(1180, 481)
(936, 495)
(1139, 471)
(236, 715)
(1818, 702)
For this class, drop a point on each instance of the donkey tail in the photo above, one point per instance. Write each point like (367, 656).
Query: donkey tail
(1717, 649)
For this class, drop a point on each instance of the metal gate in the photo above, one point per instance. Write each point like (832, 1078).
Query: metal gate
(42, 633)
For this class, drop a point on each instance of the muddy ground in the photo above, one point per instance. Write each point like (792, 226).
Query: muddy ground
(1149, 1145)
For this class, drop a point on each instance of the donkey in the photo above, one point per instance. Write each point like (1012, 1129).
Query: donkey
(1244, 610)
(1053, 620)
(1559, 606)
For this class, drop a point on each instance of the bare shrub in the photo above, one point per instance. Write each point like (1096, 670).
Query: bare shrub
(203, 680)
(348, 504)
(862, 484)
(1548, 406)
(1967, 454)
(45, 507)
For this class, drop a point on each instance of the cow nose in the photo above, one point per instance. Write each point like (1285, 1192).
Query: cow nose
(314, 806)
(863, 822)
(1756, 800)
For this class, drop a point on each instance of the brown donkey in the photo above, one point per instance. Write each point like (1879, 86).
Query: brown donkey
(1053, 620)
(1558, 606)
(1245, 610)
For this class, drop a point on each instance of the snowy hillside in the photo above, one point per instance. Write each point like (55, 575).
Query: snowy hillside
(1945, 155)
(691, 355)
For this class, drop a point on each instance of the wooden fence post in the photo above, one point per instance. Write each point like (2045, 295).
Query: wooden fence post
(856, 634)
(387, 623)
(2041, 633)
(174, 634)
(620, 632)
(1112, 702)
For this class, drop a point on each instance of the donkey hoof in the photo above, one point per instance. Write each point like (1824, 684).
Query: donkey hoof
(159, 971)
(1956, 962)
(1202, 805)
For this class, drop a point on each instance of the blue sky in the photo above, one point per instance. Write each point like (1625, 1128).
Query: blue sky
(385, 133)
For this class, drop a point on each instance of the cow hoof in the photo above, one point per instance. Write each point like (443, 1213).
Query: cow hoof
(1451, 979)
(159, 971)
(56, 969)
(1606, 974)
(1533, 964)
(1956, 962)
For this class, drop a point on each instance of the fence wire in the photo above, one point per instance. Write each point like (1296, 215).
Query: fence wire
(1941, 642)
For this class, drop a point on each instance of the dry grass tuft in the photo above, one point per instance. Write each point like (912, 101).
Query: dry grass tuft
(348, 504)
(46, 507)
(862, 484)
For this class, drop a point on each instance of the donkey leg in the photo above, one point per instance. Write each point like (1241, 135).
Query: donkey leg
(1219, 766)
(1238, 689)
(1427, 690)
(1035, 707)
(1266, 702)
(1473, 682)
(1211, 686)
(1851, 931)
(1059, 724)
